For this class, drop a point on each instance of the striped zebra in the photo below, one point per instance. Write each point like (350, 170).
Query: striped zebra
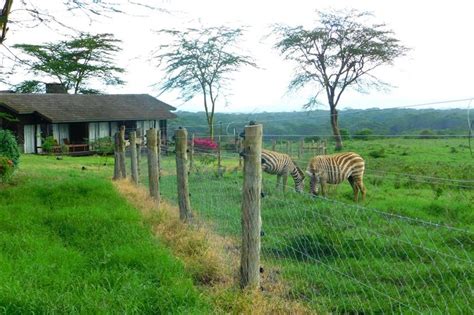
(334, 169)
(281, 165)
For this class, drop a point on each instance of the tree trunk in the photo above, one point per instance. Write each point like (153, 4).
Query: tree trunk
(210, 122)
(335, 129)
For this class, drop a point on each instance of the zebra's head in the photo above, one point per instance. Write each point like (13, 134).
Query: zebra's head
(313, 183)
(299, 181)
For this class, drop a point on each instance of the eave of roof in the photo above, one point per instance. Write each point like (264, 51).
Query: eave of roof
(62, 108)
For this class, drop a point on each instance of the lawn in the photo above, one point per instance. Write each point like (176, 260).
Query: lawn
(69, 243)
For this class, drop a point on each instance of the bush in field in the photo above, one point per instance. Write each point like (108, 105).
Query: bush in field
(48, 144)
(363, 134)
(426, 134)
(103, 146)
(6, 168)
(376, 154)
(205, 144)
(9, 146)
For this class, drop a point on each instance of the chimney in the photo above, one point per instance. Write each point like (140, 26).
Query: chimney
(55, 88)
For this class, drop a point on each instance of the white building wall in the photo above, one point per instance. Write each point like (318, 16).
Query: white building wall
(29, 138)
(93, 132)
(60, 132)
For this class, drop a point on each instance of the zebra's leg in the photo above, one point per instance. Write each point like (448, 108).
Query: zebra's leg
(362, 188)
(278, 181)
(285, 181)
(312, 186)
(324, 188)
(355, 187)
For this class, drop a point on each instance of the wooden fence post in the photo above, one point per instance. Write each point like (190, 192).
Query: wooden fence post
(251, 220)
(220, 171)
(158, 149)
(236, 142)
(191, 154)
(122, 164)
(240, 150)
(153, 170)
(117, 174)
(181, 136)
(133, 157)
(139, 141)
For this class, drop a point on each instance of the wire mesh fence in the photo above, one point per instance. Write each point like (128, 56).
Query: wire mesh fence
(334, 255)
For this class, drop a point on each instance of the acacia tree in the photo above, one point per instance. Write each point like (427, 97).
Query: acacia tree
(73, 62)
(199, 62)
(29, 14)
(341, 51)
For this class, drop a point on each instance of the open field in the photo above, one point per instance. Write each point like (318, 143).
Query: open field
(408, 248)
(69, 243)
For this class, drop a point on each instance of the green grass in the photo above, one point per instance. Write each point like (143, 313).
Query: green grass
(408, 248)
(70, 244)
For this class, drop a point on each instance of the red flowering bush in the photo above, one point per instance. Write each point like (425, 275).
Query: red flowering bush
(205, 144)
(6, 168)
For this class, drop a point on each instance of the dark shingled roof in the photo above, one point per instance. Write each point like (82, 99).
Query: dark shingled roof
(62, 108)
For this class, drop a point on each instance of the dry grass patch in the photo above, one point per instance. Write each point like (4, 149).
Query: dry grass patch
(212, 260)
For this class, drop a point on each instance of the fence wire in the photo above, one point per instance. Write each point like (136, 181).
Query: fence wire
(333, 255)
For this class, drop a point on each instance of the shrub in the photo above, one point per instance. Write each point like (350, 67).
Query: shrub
(48, 144)
(6, 168)
(426, 134)
(205, 144)
(9, 146)
(103, 146)
(377, 153)
(363, 134)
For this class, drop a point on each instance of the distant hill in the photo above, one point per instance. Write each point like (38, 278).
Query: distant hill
(308, 123)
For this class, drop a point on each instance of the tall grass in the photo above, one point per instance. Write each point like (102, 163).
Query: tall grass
(70, 243)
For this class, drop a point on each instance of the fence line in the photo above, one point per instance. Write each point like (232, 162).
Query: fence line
(368, 172)
(334, 256)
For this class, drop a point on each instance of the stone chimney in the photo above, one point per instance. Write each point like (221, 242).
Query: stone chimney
(55, 88)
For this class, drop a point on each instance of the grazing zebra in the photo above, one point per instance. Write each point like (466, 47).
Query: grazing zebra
(281, 165)
(334, 169)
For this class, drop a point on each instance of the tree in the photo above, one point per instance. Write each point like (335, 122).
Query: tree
(73, 62)
(199, 62)
(341, 51)
(4, 19)
(29, 14)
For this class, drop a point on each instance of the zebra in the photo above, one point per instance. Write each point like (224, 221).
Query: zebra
(281, 165)
(334, 169)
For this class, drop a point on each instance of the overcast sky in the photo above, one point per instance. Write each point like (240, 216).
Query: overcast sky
(439, 67)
